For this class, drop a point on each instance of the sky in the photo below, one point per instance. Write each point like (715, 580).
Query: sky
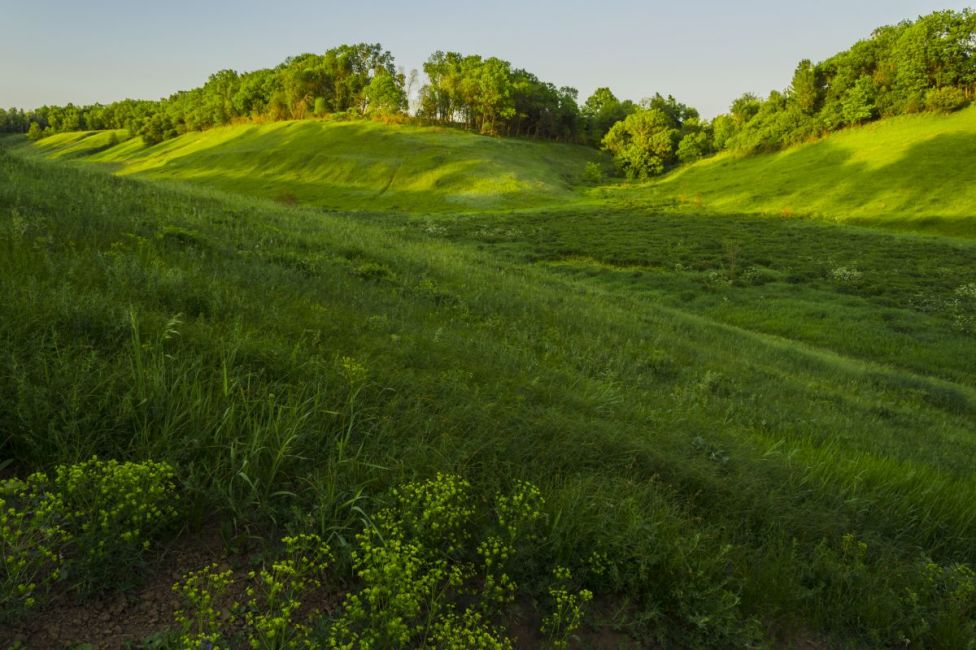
(705, 52)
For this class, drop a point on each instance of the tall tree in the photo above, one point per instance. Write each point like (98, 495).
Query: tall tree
(644, 144)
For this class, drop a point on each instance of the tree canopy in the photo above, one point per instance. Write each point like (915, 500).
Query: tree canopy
(926, 64)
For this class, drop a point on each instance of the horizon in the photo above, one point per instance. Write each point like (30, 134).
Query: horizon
(635, 51)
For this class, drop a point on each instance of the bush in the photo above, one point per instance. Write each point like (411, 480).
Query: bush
(274, 614)
(112, 511)
(945, 100)
(436, 568)
(593, 173)
(86, 526)
(34, 133)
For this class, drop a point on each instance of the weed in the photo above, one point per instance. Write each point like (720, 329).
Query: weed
(87, 527)
(566, 614)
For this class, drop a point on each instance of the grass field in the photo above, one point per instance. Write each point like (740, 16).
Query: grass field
(748, 431)
(914, 172)
(351, 165)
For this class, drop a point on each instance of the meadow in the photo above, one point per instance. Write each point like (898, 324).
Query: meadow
(745, 431)
(351, 165)
(910, 172)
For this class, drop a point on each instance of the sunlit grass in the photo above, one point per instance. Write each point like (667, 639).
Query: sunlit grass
(915, 172)
(353, 165)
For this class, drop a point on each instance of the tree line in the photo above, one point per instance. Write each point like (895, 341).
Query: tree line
(924, 65)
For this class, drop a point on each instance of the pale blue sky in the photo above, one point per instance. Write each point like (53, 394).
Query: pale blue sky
(705, 53)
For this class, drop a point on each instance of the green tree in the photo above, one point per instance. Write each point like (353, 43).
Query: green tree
(385, 94)
(858, 105)
(807, 89)
(643, 144)
(744, 108)
(602, 110)
(723, 129)
(320, 107)
(35, 133)
(157, 128)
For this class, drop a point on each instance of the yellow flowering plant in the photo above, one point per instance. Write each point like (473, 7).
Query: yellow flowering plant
(82, 527)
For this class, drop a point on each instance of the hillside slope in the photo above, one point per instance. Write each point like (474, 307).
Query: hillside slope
(736, 451)
(914, 172)
(350, 165)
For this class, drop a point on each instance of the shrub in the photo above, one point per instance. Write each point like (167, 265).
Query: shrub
(593, 173)
(274, 614)
(846, 275)
(945, 100)
(87, 526)
(112, 511)
(201, 617)
(433, 570)
(32, 540)
(34, 133)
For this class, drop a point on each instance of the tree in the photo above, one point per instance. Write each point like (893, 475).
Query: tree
(858, 104)
(692, 147)
(385, 95)
(157, 128)
(489, 96)
(745, 108)
(723, 129)
(34, 133)
(644, 143)
(807, 89)
(602, 110)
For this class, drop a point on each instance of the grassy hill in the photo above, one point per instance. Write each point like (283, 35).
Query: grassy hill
(351, 165)
(915, 172)
(744, 430)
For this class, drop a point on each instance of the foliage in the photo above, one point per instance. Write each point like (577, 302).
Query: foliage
(858, 104)
(567, 609)
(359, 79)
(34, 133)
(87, 526)
(32, 541)
(385, 94)
(602, 110)
(430, 554)
(418, 580)
(489, 96)
(926, 64)
(201, 615)
(646, 142)
(274, 614)
(693, 146)
(593, 173)
(945, 100)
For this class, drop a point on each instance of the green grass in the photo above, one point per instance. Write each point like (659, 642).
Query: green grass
(713, 402)
(351, 165)
(916, 172)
